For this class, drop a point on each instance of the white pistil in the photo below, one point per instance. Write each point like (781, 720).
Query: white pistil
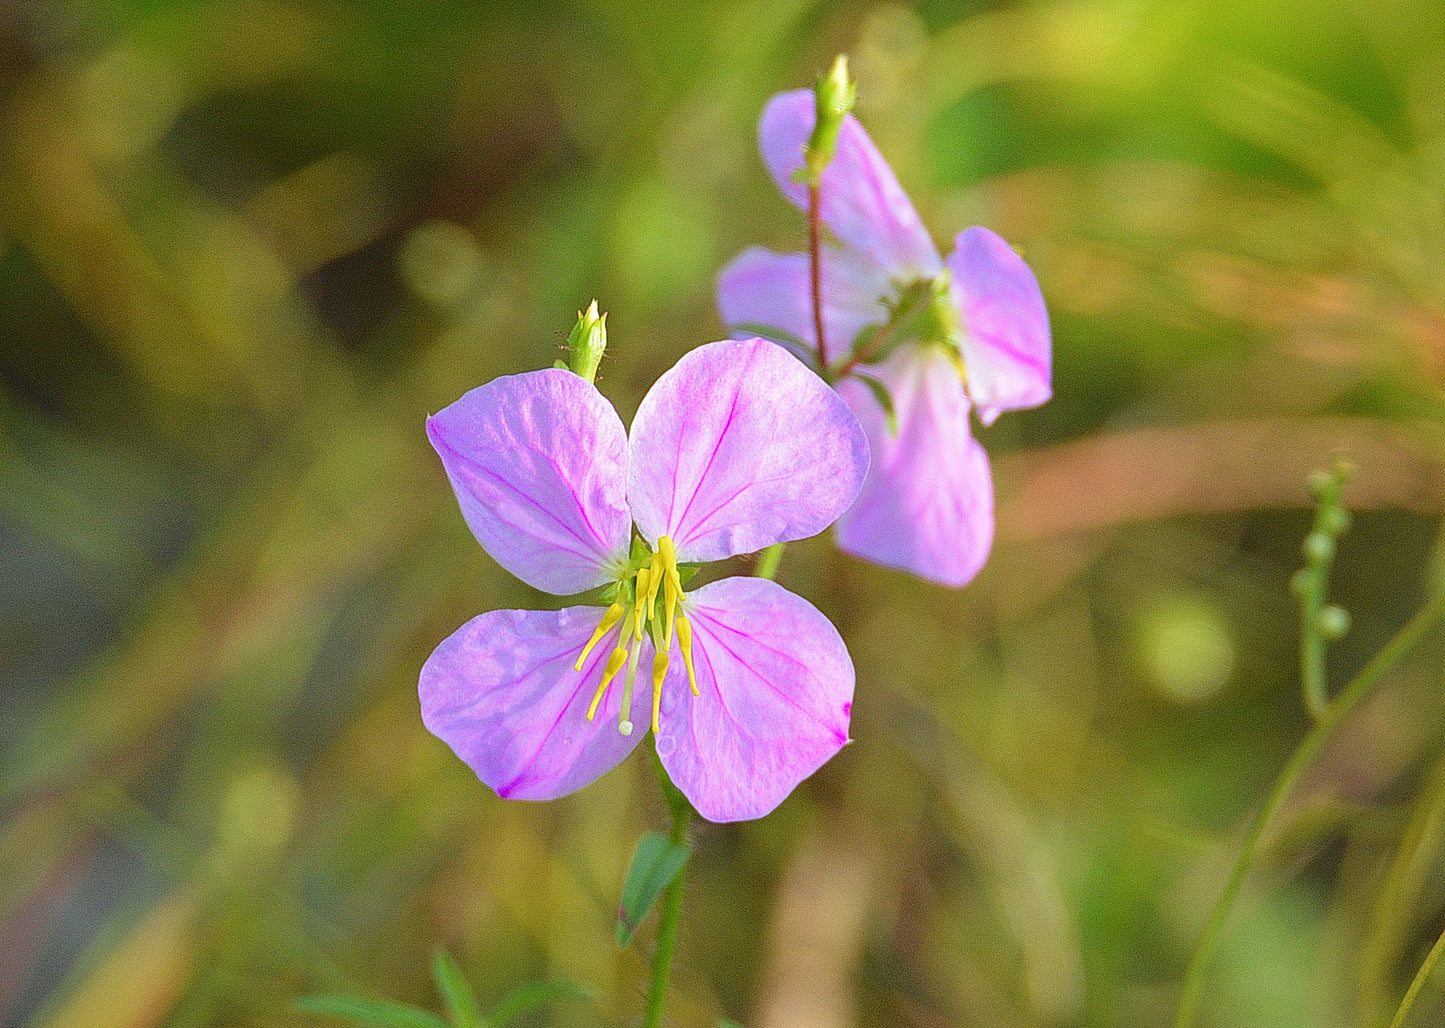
(624, 723)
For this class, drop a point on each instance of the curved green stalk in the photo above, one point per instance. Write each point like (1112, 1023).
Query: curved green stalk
(1324, 729)
(1421, 975)
(670, 918)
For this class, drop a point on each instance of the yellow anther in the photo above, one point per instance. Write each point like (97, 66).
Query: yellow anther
(610, 617)
(614, 665)
(659, 672)
(670, 593)
(668, 553)
(640, 613)
(684, 639)
(655, 574)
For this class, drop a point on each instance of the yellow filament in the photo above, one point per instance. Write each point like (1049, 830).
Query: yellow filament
(670, 594)
(612, 615)
(684, 639)
(641, 613)
(614, 665)
(659, 672)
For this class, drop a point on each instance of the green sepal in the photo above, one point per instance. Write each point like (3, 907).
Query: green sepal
(455, 991)
(587, 342)
(533, 994)
(374, 1013)
(685, 572)
(655, 863)
(884, 398)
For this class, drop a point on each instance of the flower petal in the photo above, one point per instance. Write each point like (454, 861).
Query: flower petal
(737, 447)
(861, 199)
(927, 504)
(1006, 346)
(762, 288)
(501, 692)
(776, 688)
(539, 463)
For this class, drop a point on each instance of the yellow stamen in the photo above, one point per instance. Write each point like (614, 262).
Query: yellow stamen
(624, 723)
(659, 672)
(641, 614)
(614, 665)
(684, 639)
(672, 582)
(610, 617)
(654, 582)
(670, 594)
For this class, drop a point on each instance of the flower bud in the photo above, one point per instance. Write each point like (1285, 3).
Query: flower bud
(1334, 622)
(587, 342)
(835, 93)
(1318, 548)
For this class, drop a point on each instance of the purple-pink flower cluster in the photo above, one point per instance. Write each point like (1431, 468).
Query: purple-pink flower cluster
(747, 688)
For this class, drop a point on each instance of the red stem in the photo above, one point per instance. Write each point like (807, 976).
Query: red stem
(815, 268)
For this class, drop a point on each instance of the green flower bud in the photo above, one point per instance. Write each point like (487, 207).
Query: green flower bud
(587, 342)
(1334, 622)
(1338, 521)
(1318, 548)
(835, 94)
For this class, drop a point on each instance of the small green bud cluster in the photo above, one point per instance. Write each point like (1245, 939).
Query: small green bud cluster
(1332, 520)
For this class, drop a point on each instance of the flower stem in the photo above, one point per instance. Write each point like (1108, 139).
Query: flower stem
(1421, 975)
(1331, 717)
(815, 270)
(768, 562)
(670, 918)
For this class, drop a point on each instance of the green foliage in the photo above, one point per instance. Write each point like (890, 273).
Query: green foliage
(656, 861)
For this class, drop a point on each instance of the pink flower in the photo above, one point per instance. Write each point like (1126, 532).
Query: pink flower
(927, 503)
(736, 448)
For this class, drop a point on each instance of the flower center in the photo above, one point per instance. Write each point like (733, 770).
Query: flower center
(637, 610)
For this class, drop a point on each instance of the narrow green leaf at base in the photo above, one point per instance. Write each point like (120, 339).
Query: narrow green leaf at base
(655, 863)
(374, 1013)
(456, 992)
(525, 997)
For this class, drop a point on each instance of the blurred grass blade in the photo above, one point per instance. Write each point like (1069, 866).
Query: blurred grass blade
(456, 991)
(525, 997)
(375, 1013)
(655, 864)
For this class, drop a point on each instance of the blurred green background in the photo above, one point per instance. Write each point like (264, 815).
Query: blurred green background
(248, 245)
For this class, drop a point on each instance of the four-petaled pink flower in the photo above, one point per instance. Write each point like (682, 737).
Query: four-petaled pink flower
(927, 503)
(735, 448)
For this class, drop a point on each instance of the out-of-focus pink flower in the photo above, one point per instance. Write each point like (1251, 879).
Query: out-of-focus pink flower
(927, 504)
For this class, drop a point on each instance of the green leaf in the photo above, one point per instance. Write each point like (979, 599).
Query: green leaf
(655, 864)
(885, 400)
(727, 1022)
(525, 997)
(376, 1013)
(455, 990)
